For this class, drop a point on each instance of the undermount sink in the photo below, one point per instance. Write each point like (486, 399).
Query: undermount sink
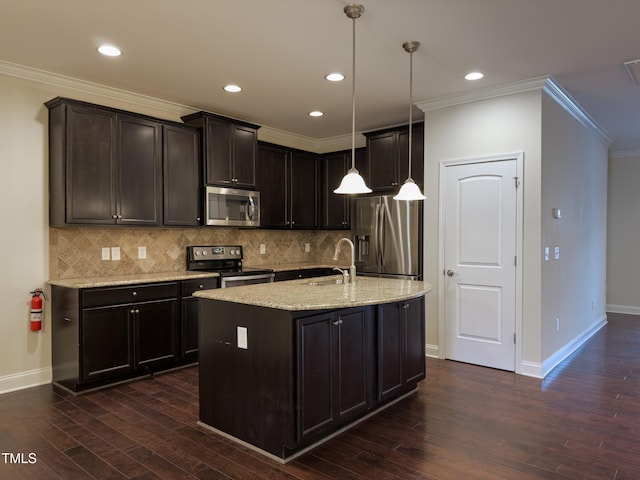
(323, 283)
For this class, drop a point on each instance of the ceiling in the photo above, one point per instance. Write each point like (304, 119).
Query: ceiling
(185, 51)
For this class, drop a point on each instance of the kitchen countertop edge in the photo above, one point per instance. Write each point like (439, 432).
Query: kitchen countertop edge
(121, 280)
(300, 295)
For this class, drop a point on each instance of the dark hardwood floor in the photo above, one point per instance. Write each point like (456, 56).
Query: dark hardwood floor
(466, 422)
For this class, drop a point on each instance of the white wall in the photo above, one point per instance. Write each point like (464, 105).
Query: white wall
(506, 124)
(564, 166)
(623, 266)
(25, 356)
(574, 178)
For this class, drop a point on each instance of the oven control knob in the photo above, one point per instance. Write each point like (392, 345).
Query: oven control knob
(204, 252)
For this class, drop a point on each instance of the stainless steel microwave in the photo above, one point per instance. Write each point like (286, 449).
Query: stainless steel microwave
(232, 207)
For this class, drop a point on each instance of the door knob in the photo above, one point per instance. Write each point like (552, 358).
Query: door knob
(450, 273)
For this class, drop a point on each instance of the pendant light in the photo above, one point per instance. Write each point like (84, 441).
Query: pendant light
(409, 190)
(352, 181)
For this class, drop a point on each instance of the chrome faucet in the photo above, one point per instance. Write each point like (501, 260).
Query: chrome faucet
(352, 267)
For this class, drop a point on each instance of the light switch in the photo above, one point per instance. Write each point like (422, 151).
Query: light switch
(142, 253)
(115, 253)
(242, 338)
(556, 253)
(307, 247)
(546, 254)
(263, 249)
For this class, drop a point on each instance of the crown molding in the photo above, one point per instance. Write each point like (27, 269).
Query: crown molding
(265, 133)
(545, 83)
(532, 84)
(624, 153)
(566, 101)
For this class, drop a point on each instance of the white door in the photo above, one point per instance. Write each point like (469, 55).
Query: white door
(480, 263)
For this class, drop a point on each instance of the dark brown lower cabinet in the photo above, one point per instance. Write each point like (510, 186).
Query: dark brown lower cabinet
(103, 335)
(301, 375)
(335, 368)
(401, 359)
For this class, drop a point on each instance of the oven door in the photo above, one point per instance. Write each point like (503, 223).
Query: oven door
(238, 280)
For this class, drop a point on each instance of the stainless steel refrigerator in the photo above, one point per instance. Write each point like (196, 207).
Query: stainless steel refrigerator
(387, 235)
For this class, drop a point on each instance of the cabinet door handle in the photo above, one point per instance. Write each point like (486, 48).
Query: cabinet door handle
(68, 320)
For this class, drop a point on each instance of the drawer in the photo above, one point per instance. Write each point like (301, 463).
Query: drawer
(190, 286)
(97, 297)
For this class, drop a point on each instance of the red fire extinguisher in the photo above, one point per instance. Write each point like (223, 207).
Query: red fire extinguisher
(35, 314)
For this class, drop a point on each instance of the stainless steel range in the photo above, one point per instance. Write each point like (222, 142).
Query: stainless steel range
(227, 261)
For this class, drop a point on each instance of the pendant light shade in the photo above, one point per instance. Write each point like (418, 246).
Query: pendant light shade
(352, 182)
(409, 190)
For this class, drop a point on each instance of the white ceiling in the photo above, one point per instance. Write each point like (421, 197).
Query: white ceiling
(184, 51)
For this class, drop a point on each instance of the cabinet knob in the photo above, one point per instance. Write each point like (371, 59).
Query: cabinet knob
(338, 322)
(132, 312)
(119, 216)
(114, 216)
(197, 219)
(200, 286)
(135, 294)
(68, 320)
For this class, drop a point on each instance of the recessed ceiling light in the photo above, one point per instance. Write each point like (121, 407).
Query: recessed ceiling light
(334, 77)
(109, 50)
(232, 88)
(316, 113)
(474, 76)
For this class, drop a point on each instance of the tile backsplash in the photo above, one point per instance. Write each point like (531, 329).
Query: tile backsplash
(76, 252)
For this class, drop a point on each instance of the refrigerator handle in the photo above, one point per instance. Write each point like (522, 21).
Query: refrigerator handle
(380, 229)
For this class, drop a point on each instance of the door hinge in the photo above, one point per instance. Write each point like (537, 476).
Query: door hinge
(517, 181)
(515, 260)
(514, 338)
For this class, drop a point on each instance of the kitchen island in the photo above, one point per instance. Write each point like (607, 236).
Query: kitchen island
(285, 366)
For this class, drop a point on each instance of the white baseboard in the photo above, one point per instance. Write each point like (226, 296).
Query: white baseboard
(31, 378)
(628, 309)
(554, 360)
(432, 351)
(531, 369)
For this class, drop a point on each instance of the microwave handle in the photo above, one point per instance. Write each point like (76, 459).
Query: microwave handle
(252, 209)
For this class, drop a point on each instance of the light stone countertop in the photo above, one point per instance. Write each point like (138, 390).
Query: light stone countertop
(295, 295)
(120, 280)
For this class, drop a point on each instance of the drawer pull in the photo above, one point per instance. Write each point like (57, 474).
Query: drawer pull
(68, 320)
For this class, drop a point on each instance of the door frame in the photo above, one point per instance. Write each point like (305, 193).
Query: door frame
(519, 158)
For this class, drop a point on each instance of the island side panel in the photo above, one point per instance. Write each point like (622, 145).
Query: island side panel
(247, 392)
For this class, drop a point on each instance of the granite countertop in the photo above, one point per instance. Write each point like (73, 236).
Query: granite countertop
(118, 280)
(295, 266)
(294, 295)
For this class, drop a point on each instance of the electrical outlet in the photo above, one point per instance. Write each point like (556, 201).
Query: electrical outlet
(115, 253)
(142, 253)
(263, 249)
(557, 324)
(307, 247)
(106, 253)
(242, 338)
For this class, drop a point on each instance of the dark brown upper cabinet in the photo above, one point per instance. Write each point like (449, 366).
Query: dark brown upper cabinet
(229, 149)
(388, 158)
(287, 181)
(334, 209)
(182, 176)
(105, 166)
